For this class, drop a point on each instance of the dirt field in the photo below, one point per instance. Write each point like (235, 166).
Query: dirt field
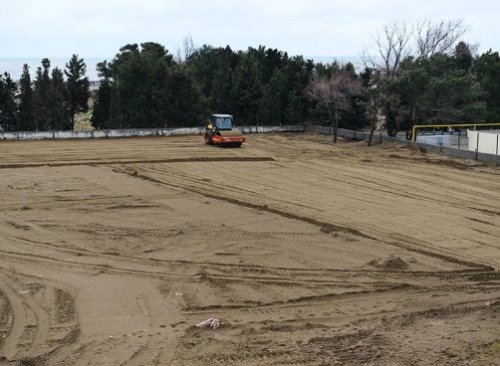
(311, 254)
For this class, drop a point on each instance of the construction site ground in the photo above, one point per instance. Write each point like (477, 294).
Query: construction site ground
(112, 250)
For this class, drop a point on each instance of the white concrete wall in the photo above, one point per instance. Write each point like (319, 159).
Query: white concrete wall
(136, 132)
(267, 129)
(26, 135)
(487, 142)
(439, 140)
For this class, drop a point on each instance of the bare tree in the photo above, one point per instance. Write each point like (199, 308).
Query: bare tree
(433, 37)
(423, 38)
(335, 93)
(188, 48)
(398, 41)
(392, 45)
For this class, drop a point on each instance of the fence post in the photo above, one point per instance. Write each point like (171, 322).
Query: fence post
(497, 160)
(477, 143)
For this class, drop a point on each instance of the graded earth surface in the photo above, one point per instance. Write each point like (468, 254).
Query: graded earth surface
(112, 250)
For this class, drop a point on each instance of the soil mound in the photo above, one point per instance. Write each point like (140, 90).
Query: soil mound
(394, 263)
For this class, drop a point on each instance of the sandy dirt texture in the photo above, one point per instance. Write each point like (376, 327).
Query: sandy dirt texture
(310, 254)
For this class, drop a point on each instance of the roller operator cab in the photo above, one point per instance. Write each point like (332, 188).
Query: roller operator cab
(220, 131)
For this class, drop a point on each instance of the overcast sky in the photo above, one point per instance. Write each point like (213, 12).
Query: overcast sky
(98, 28)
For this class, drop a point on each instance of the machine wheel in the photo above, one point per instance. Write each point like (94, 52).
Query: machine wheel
(231, 144)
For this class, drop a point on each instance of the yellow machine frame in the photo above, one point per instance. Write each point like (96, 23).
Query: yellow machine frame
(459, 125)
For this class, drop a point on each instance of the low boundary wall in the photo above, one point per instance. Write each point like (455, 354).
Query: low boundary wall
(135, 132)
(450, 151)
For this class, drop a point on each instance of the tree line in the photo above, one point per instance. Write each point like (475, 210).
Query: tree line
(417, 73)
(143, 86)
(49, 102)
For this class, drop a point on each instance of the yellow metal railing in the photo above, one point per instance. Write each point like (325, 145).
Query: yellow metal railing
(448, 126)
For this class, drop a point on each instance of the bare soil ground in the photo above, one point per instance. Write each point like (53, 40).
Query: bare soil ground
(311, 254)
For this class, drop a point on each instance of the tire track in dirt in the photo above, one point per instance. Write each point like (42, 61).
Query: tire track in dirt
(343, 309)
(394, 293)
(33, 332)
(243, 273)
(375, 184)
(156, 352)
(125, 162)
(146, 355)
(20, 322)
(39, 344)
(6, 318)
(241, 268)
(414, 182)
(431, 251)
(363, 346)
(56, 202)
(281, 281)
(327, 227)
(336, 283)
(96, 269)
(92, 268)
(349, 341)
(487, 263)
(435, 252)
(160, 272)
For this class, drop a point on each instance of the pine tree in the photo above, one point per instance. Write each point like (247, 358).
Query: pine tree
(183, 101)
(132, 78)
(463, 56)
(26, 102)
(102, 105)
(77, 86)
(272, 103)
(488, 73)
(299, 73)
(9, 119)
(58, 110)
(212, 71)
(42, 97)
(248, 89)
(160, 98)
(101, 114)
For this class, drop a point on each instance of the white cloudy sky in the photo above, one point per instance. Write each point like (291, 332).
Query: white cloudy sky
(97, 28)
